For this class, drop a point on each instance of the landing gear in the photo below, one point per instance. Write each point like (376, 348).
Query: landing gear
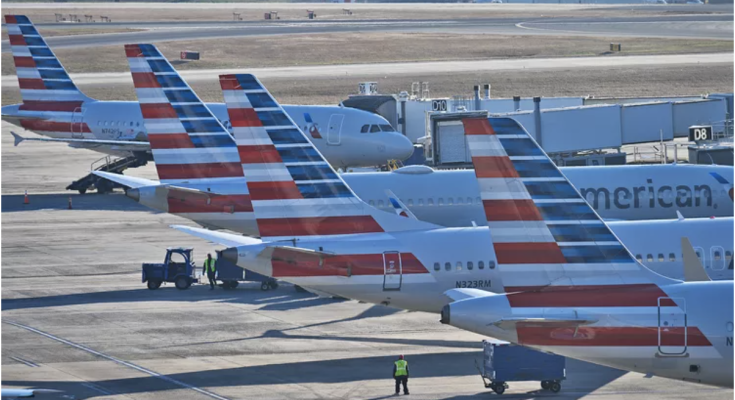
(498, 387)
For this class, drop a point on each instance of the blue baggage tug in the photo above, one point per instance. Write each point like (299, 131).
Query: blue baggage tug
(505, 362)
(178, 267)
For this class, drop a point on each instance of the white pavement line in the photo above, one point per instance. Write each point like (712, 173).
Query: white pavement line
(26, 362)
(117, 360)
(97, 388)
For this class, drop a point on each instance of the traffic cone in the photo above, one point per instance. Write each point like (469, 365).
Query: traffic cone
(25, 198)
(70, 202)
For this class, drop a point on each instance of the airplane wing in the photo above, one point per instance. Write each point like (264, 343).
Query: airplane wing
(223, 238)
(129, 145)
(125, 180)
(693, 269)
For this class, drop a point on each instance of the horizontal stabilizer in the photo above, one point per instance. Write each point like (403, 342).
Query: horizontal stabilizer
(512, 322)
(225, 239)
(128, 145)
(129, 181)
(693, 269)
(462, 294)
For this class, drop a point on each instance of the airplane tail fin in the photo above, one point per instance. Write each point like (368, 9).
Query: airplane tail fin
(43, 81)
(538, 221)
(294, 190)
(188, 143)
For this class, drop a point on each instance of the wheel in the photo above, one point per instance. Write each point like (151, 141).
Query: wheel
(555, 387)
(234, 284)
(82, 191)
(273, 285)
(182, 283)
(264, 286)
(499, 388)
(545, 385)
(154, 284)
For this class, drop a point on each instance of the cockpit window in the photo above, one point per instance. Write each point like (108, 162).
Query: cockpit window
(374, 128)
(365, 129)
(387, 128)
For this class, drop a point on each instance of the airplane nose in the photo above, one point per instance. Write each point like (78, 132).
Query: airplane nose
(398, 147)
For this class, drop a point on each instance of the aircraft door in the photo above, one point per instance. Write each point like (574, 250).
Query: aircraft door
(672, 326)
(717, 258)
(335, 129)
(393, 270)
(77, 123)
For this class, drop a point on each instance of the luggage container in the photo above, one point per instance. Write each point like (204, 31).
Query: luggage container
(231, 275)
(505, 362)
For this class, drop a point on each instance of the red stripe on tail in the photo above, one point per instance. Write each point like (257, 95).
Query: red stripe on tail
(170, 141)
(215, 204)
(243, 117)
(318, 226)
(494, 167)
(24, 62)
(477, 126)
(274, 190)
(529, 253)
(511, 210)
(158, 110)
(634, 295)
(195, 171)
(260, 154)
(10, 19)
(143, 80)
(17, 40)
(25, 83)
(133, 50)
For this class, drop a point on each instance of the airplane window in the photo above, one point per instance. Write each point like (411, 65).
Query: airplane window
(131, 124)
(639, 258)
(371, 202)
(440, 202)
(448, 266)
(430, 202)
(421, 202)
(374, 128)
(718, 256)
(137, 124)
(699, 254)
(469, 200)
(649, 258)
(672, 257)
(469, 265)
(459, 201)
(491, 264)
(479, 200)
(99, 123)
(365, 129)
(107, 123)
(410, 202)
(480, 265)
(450, 201)
(728, 255)
(437, 267)
(459, 265)
(660, 257)
(380, 203)
(387, 128)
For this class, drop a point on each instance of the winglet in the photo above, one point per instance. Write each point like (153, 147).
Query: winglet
(398, 205)
(679, 216)
(693, 269)
(18, 139)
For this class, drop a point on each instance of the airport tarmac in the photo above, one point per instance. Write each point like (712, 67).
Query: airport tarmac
(77, 318)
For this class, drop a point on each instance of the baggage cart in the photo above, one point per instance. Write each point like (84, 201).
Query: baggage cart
(505, 362)
(231, 275)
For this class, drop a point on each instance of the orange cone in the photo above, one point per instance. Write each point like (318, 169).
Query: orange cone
(25, 198)
(70, 202)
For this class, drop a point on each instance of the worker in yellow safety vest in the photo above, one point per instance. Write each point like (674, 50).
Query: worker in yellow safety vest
(400, 373)
(211, 269)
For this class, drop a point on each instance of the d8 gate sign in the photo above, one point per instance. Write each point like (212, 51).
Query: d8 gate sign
(698, 133)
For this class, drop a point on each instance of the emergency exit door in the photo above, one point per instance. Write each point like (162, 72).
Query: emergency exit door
(335, 129)
(392, 270)
(672, 326)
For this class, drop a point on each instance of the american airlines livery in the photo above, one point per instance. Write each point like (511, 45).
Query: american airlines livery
(572, 281)
(54, 107)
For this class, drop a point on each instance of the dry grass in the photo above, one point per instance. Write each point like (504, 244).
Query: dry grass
(600, 82)
(146, 12)
(373, 47)
(50, 32)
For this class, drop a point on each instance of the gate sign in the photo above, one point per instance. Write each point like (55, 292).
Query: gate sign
(699, 133)
(438, 105)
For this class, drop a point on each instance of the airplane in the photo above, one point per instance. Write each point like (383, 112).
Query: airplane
(54, 107)
(635, 321)
(570, 285)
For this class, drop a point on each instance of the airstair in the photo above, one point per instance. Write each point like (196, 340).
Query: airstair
(106, 164)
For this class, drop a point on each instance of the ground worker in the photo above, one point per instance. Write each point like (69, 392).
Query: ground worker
(210, 268)
(400, 373)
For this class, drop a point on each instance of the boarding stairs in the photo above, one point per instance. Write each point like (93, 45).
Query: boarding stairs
(106, 164)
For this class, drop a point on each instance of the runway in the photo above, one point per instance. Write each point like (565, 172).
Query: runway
(411, 68)
(702, 26)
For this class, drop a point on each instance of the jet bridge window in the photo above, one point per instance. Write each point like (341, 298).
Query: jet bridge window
(374, 128)
(437, 266)
(480, 265)
(365, 129)
(448, 266)
(672, 257)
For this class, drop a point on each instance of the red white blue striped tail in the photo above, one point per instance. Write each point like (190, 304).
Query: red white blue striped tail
(543, 231)
(188, 143)
(295, 192)
(43, 81)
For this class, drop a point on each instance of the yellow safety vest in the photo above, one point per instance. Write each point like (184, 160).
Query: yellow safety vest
(209, 265)
(401, 368)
